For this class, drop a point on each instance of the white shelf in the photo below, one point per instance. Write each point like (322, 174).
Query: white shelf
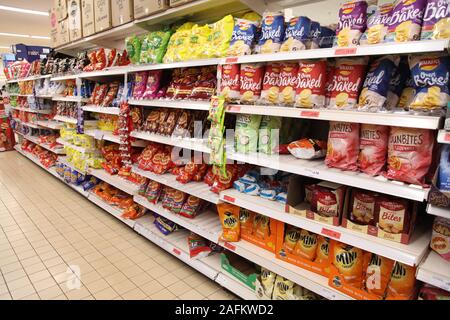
(65, 119)
(435, 270)
(47, 96)
(108, 136)
(438, 211)
(112, 71)
(32, 110)
(107, 110)
(28, 124)
(49, 124)
(380, 118)
(198, 189)
(30, 78)
(318, 169)
(114, 211)
(65, 77)
(185, 143)
(67, 99)
(115, 180)
(19, 95)
(178, 104)
(234, 285)
(77, 148)
(410, 254)
(443, 136)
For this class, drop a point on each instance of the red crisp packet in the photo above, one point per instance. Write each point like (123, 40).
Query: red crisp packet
(229, 82)
(101, 59)
(179, 197)
(100, 94)
(112, 54)
(287, 83)
(111, 95)
(191, 207)
(153, 191)
(251, 82)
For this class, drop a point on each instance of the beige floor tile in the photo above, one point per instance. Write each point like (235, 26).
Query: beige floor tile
(123, 287)
(152, 287)
(11, 267)
(208, 288)
(163, 294)
(11, 276)
(78, 294)
(106, 294)
(88, 298)
(196, 279)
(115, 278)
(135, 294)
(30, 261)
(5, 296)
(97, 285)
(51, 262)
(191, 295)
(35, 268)
(50, 293)
(178, 288)
(44, 284)
(3, 289)
(23, 291)
(18, 283)
(40, 275)
(60, 297)
(168, 279)
(132, 271)
(141, 279)
(157, 272)
(220, 294)
(33, 296)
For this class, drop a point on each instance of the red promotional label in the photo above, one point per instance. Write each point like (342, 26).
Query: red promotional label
(231, 60)
(447, 137)
(330, 233)
(229, 246)
(176, 251)
(229, 199)
(310, 114)
(344, 51)
(234, 108)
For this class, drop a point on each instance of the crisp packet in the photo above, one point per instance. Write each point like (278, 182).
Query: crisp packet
(407, 95)
(297, 34)
(436, 20)
(251, 76)
(406, 20)
(243, 37)
(352, 23)
(326, 38)
(229, 84)
(430, 74)
(272, 32)
(314, 35)
(308, 148)
(377, 25)
(270, 85)
(311, 78)
(397, 84)
(287, 82)
(376, 85)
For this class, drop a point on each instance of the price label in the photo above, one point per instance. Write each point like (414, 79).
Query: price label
(229, 199)
(231, 60)
(344, 51)
(176, 251)
(330, 233)
(234, 108)
(229, 246)
(98, 135)
(310, 114)
(447, 137)
(312, 172)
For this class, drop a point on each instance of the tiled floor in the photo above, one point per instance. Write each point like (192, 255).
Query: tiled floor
(55, 244)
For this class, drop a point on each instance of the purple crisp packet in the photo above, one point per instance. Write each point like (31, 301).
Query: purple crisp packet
(352, 23)
(140, 82)
(153, 84)
(436, 20)
(406, 20)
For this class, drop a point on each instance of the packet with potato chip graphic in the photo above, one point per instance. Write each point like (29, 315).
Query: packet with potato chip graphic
(311, 78)
(287, 83)
(343, 145)
(270, 86)
(297, 34)
(229, 86)
(373, 143)
(431, 74)
(243, 37)
(405, 22)
(251, 77)
(440, 237)
(410, 152)
(436, 20)
(397, 84)
(247, 132)
(352, 23)
(377, 25)
(346, 83)
(272, 33)
(407, 95)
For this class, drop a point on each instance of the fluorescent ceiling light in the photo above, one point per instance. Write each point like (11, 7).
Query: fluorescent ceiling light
(40, 37)
(5, 47)
(40, 13)
(23, 35)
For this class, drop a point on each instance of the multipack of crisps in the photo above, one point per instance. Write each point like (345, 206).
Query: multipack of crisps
(272, 33)
(311, 81)
(430, 74)
(297, 34)
(406, 20)
(230, 82)
(251, 77)
(346, 82)
(243, 37)
(352, 23)
(377, 25)
(270, 85)
(436, 20)
(287, 83)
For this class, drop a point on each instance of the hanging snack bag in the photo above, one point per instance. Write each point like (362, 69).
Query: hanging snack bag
(218, 41)
(297, 34)
(268, 138)
(165, 225)
(376, 85)
(431, 74)
(440, 237)
(378, 274)
(436, 20)
(362, 207)
(287, 83)
(311, 80)
(272, 32)
(352, 23)
(246, 134)
(346, 83)
(410, 152)
(343, 145)
(191, 207)
(229, 82)
(198, 246)
(349, 262)
(406, 20)
(251, 77)
(229, 217)
(402, 285)
(377, 25)
(270, 85)
(243, 37)
(373, 144)
(308, 148)
(306, 246)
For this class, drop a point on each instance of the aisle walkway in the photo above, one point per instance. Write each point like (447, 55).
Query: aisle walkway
(45, 227)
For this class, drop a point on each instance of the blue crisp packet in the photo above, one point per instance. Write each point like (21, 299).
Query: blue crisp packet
(297, 34)
(239, 185)
(376, 85)
(397, 84)
(430, 74)
(80, 178)
(250, 177)
(165, 225)
(268, 194)
(89, 184)
(314, 35)
(281, 197)
(252, 189)
(242, 38)
(444, 169)
(67, 174)
(326, 38)
(272, 32)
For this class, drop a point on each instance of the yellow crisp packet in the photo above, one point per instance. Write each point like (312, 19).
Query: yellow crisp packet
(219, 39)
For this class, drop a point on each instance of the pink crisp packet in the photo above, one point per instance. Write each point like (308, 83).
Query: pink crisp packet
(140, 83)
(153, 84)
(352, 23)
(405, 22)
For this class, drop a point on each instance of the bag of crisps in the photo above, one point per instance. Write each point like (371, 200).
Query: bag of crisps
(343, 145)
(352, 23)
(287, 83)
(268, 137)
(306, 246)
(243, 37)
(377, 25)
(251, 77)
(177, 47)
(297, 34)
(349, 261)
(406, 20)
(323, 249)
(373, 142)
(314, 35)
(247, 219)
(407, 95)
(436, 20)
(402, 285)
(229, 85)
(397, 84)
(219, 39)
(270, 85)
(311, 80)
(229, 217)
(410, 152)
(378, 274)
(198, 41)
(272, 33)
(431, 74)
(291, 236)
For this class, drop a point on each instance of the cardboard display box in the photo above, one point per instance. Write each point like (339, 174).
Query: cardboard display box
(63, 32)
(61, 9)
(437, 197)
(102, 14)
(267, 243)
(75, 23)
(88, 18)
(144, 8)
(54, 40)
(239, 268)
(122, 12)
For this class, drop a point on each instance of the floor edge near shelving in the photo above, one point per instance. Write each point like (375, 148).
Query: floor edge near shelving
(240, 290)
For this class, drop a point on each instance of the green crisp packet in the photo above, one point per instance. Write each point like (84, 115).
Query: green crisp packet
(133, 46)
(154, 46)
(246, 133)
(268, 138)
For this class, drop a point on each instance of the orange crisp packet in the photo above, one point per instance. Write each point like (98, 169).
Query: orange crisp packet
(231, 226)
